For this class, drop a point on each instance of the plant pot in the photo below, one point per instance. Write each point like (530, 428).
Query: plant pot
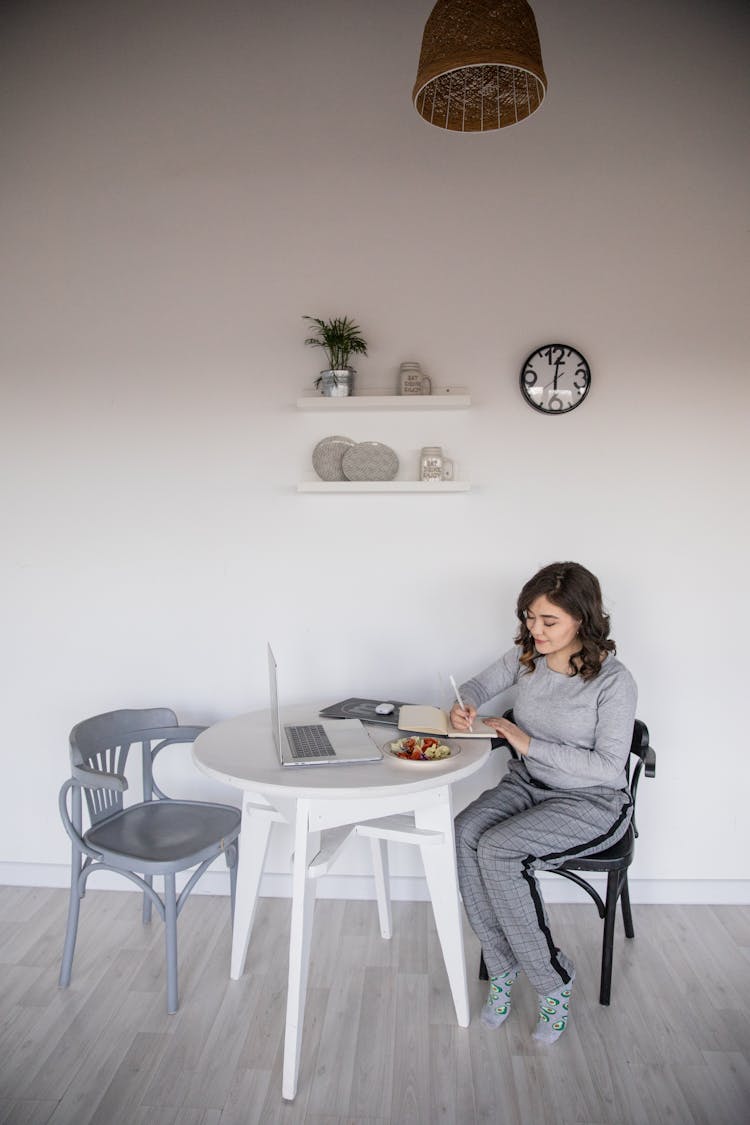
(336, 383)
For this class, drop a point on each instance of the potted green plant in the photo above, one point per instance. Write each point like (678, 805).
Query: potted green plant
(340, 338)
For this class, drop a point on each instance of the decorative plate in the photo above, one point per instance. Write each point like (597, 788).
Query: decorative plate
(369, 460)
(398, 748)
(327, 457)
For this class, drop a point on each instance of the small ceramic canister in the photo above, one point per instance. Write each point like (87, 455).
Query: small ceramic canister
(412, 380)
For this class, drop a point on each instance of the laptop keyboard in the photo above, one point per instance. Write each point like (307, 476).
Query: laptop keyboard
(310, 741)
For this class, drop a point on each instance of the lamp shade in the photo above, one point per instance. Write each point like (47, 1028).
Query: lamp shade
(480, 66)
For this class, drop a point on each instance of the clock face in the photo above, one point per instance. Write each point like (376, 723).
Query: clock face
(555, 378)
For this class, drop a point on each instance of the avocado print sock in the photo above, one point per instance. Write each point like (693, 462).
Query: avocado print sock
(553, 1013)
(497, 1008)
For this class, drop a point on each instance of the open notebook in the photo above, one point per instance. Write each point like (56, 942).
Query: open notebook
(433, 720)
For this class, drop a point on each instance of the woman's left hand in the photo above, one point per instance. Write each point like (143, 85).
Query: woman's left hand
(518, 738)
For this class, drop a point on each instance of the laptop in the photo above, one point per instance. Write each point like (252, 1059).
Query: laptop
(340, 742)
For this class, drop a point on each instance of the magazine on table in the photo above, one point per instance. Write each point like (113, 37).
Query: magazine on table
(364, 709)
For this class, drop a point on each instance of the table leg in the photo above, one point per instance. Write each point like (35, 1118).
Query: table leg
(379, 852)
(442, 881)
(306, 847)
(254, 835)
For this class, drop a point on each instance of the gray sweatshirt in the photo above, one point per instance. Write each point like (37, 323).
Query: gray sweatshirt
(580, 731)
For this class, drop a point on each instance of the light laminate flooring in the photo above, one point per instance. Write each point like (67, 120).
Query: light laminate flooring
(380, 1041)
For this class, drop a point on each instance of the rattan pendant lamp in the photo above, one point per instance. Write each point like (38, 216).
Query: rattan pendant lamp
(480, 66)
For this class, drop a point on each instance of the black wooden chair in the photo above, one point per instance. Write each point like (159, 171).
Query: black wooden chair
(615, 861)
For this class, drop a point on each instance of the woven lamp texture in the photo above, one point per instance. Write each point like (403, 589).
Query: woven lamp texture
(481, 65)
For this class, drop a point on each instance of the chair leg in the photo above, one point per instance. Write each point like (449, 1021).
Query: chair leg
(627, 917)
(232, 857)
(170, 930)
(71, 930)
(146, 913)
(483, 974)
(610, 913)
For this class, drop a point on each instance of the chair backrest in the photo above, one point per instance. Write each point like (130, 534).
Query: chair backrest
(640, 748)
(101, 745)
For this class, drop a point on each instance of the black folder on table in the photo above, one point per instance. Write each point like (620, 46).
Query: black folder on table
(363, 709)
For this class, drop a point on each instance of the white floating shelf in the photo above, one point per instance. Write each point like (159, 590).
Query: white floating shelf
(457, 399)
(383, 486)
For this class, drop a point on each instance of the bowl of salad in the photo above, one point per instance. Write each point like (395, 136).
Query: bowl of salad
(422, 750)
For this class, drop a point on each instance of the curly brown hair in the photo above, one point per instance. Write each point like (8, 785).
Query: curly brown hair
(576, 590)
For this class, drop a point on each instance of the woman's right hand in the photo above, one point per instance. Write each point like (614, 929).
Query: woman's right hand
(462, 718)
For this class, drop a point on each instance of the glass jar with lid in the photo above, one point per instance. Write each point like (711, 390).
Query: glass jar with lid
(433, 465)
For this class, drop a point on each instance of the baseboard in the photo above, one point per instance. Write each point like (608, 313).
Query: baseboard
(728, 892)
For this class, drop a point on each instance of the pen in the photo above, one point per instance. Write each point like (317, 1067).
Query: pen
(459, 700)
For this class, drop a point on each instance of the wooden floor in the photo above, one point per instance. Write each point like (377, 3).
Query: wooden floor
(380, 1043)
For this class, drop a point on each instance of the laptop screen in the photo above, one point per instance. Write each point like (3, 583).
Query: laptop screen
(275, 713)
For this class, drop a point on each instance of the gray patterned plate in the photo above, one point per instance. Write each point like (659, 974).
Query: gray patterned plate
(370, 460)
(327, 457)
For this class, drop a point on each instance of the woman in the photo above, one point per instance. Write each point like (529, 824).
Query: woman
(566, 795)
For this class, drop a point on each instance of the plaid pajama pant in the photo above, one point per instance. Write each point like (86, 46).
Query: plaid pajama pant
(509, 832)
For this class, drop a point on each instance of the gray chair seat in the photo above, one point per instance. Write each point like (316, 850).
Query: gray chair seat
(179, 834)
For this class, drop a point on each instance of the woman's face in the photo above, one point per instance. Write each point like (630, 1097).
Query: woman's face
(553, 630)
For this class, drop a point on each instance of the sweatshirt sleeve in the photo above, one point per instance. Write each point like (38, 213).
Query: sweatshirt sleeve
(604, 762)
(494, 679)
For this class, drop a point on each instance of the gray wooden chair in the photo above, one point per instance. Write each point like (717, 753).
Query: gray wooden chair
(158, 836)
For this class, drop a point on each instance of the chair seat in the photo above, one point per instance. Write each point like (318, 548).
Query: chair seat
(164, 835)
(613, 859)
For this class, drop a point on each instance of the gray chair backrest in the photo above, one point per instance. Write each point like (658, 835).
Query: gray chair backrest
(100, 745)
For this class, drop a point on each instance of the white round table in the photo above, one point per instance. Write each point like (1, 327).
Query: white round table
(392, 800)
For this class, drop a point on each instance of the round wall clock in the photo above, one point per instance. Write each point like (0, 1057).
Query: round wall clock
(555, 378)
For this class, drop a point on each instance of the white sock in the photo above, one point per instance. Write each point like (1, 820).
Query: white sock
(497, 1008)
(554, 1009)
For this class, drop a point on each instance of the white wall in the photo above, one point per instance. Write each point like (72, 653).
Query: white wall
(180, 183)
